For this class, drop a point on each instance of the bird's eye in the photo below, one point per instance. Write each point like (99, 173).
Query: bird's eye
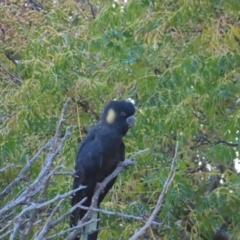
(123, 114)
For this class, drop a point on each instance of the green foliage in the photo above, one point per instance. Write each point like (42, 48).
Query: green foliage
(178, 59)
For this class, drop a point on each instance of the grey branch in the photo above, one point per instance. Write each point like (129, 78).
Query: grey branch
(5, 168)
(65, 173)
(5, 234)
(121, 215)
(36, 189)
(34, 206)
(158, 207)
(23, 171)
(46, 227)
(9, 75)
(70, 229)
(60, 219)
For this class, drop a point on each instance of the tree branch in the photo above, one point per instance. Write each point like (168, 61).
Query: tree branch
(38, 186)
(70, 229)
(13, 78)
(5, 168)
(20, 176)
(158, 207)
(46, 226)
(121, 215)
(93, 9)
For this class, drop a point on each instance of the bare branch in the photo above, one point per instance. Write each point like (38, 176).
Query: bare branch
(5, 72)
(93, 9)
(204, 139)
(230, 144)
(60, 219)
(38, 186)
(158, 207)
(70, 229)
(33, 206)
(16, 228)
(46, 226)
(65, 173)
(5, 168)
(36, 206)
(5, 234)
(121, 215)
(20, 176)
(40, 199)
(29, 224)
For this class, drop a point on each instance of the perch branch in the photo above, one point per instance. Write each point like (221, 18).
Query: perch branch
(158, 207)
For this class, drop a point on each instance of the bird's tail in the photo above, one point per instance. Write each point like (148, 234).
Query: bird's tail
(90, 232)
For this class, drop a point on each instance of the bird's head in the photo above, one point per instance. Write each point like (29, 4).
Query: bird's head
(119, 115)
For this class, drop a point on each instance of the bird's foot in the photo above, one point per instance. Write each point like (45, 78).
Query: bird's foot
(100, 185)
(123, 164)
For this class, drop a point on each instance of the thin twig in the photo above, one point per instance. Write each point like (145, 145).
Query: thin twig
(60, 219)
(55, 236)
(65, 173)
(27, 197)
(230, 144)
(21, 174)
(93, 10)
(121, 215)
(46, 226)
(15, 79)
(45, 204)
(5, 234)
(5, 168)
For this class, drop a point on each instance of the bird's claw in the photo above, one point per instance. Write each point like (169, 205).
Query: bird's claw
(101, 186)
(123, 164)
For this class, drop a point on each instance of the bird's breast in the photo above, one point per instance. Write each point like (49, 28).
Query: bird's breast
(110, 160)
(111, 143)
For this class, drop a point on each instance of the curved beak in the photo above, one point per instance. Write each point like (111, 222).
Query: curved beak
(130, 121)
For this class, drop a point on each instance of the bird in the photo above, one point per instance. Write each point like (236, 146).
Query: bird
(222, 233)
(98, 156)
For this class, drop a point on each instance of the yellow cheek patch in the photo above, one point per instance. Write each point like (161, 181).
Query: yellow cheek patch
(111, 116)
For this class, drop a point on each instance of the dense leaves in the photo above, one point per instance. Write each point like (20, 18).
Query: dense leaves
(179, 60)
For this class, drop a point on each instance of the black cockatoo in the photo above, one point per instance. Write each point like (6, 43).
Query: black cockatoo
(98, 156)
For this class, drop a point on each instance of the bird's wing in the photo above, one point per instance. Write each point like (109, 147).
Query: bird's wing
(88, 162)
(88, 138)
(121, 157)
(94, 226)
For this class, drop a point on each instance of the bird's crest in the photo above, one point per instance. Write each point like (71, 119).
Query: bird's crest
(111, 116)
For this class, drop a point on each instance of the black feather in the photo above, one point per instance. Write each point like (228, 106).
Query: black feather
(99, 154)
